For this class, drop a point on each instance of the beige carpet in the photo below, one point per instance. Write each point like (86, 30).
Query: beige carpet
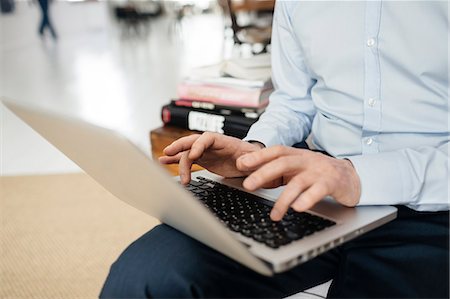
(59, 235)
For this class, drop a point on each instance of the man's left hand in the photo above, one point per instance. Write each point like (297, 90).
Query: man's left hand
(309, 177)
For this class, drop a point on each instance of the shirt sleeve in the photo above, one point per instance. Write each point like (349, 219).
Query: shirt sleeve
(418, 178)
(288, 117)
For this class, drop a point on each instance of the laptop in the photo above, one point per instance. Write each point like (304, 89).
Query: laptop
(213, 210)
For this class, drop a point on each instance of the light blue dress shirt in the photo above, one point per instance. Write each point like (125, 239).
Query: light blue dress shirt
(369, 80)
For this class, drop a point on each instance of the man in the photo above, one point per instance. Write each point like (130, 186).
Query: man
(369, 80)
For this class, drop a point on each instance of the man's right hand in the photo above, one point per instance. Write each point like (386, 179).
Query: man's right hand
(215, 152)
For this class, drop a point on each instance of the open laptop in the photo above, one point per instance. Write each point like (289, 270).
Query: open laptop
(213, 210)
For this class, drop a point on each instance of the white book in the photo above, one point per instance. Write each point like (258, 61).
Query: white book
(253, 71)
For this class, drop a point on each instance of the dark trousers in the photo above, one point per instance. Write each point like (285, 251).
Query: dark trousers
(408, 258)
(45, 22)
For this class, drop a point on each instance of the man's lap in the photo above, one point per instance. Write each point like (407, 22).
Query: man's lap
(403, 258)
(167, 263)
(408, 257)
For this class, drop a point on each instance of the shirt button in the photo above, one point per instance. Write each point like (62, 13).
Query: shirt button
(369, 141)
(371, 102)
(371, 42)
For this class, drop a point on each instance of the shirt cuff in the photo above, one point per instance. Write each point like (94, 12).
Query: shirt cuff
(384, 178)
(266, 135)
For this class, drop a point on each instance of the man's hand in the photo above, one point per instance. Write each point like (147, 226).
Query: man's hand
(216, 152)
(308, 177)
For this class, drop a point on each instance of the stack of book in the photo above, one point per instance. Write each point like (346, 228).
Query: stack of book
(226, 98)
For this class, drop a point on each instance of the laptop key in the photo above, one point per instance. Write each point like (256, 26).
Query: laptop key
(283, 241)
(195, 183)
(293, 235)
(235, 227)
(272, 243)
(258, 237)
(269, 235)
(308, 232)
(247, 232)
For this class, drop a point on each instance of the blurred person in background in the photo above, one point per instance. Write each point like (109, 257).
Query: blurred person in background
(44, 5)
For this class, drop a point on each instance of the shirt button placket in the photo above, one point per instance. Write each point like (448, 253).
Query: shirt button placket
(372, 117)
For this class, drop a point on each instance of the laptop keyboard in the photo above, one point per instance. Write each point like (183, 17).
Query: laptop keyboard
(248, 214)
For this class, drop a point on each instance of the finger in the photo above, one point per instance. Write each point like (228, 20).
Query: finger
(253, 160)
(292, 191)
(170, 159)
(185, 168)
(310, 197)
(273, 184)
(205, 141)
(271, 171)
(180, 145)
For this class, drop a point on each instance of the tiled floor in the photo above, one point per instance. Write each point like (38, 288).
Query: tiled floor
(94, 72)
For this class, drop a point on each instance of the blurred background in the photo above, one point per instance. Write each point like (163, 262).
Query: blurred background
(113, 63)
(117, 64)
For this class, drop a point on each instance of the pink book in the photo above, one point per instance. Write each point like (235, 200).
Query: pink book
(242, 97)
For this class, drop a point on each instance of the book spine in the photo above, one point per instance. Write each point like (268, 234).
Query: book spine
(246, 112)
(203, 121)
(243, 97)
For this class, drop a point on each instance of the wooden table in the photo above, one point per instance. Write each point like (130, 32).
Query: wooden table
(162, 137)
(253, 5)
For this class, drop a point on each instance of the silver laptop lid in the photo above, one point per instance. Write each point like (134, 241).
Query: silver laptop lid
(126, 172)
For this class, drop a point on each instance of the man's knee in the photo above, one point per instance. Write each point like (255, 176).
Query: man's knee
(162, 263)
